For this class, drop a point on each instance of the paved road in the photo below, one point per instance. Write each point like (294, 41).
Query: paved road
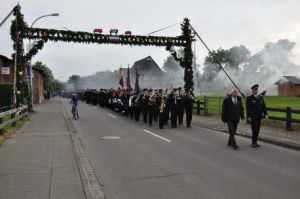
(183, 163)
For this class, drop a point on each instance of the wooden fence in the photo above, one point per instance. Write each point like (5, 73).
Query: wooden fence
(204, 107)
(288, 119)
(13, 116)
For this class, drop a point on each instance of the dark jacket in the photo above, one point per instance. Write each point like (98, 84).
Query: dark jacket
(232, 112)
(256, 107)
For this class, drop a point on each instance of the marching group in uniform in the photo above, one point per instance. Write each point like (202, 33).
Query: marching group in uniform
(149, 105)
(163, 106)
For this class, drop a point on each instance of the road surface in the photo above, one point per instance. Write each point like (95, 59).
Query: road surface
(135, 161)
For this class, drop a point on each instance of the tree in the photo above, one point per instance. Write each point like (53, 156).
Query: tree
(238, 56)
(235, 58)
(48, 78)
(211, 67)
(74, 80)
(171, 64)
(59, 86)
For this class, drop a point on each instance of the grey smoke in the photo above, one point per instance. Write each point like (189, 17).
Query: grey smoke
(265, 68)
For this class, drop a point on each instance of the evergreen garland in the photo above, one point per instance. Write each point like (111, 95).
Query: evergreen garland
(86, 37)
(20, 30)
(187, 60)
(17, 27)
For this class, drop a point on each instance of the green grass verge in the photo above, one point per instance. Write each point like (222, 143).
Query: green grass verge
(10, 128)
(215, 104)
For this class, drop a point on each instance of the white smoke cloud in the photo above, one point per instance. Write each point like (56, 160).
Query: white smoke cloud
(265, 68)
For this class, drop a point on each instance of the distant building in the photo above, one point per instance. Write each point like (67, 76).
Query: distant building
(7, 76)
(150, 73)
(38, 85)
(288, 86)
(6, 70)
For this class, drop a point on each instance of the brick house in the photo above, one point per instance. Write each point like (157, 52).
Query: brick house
(7, 76)
(38, 85)
(288, 86)
(6, 70)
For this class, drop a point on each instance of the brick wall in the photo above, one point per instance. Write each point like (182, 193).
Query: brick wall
(38, 87)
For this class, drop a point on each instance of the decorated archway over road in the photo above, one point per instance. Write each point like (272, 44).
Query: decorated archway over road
(20, 31)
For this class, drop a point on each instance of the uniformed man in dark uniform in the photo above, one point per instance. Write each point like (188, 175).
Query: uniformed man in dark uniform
(166, 109)
(256, 110)
(161, 102)
(172, 102)
(180, 106)
(188, 101)
(144, 104)
(151, 105)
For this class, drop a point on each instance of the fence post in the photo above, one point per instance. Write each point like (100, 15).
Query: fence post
(12, 116)
(198, 107)
(1, 121)
(205, 105)
(288, 119)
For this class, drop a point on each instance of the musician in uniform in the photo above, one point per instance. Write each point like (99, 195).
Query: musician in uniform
(188, 101)
(151, 105)
(161, 101)
(179, 105)
(172, 102)
(166, 109)
(144, 104)
(256, 110)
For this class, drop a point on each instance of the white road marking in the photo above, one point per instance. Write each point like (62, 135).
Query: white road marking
(165, 139)
(111, 115)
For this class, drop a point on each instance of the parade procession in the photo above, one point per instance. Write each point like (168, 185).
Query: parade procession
(149, 105)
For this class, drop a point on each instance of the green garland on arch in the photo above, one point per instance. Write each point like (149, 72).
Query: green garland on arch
(187, 60)
(20, 31)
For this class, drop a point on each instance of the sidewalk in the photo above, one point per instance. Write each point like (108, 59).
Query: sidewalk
(38, 160)
(279, 136)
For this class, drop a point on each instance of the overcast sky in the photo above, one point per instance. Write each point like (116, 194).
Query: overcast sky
(220, 23)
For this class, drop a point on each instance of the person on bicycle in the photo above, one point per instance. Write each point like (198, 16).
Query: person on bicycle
(74, 101)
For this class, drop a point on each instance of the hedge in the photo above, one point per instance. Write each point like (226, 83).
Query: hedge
(6, 94)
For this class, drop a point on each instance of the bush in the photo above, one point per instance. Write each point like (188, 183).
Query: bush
(6, 94)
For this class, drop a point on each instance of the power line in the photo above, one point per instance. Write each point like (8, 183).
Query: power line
(5, 19)
(170, 26)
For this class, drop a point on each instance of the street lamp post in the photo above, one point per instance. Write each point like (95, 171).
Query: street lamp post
(31, 72)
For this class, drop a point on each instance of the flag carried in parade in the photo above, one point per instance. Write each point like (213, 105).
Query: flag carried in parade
(128, 78)
(137, 75)
(121, 78)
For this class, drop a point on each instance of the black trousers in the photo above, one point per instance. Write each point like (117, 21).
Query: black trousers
(166, 115)
(232, 127)
(161, 120)
(151, 110)
(173, 117)
(145, 113)
(180, 111)
(131, 112)
(255, 127)
(137, 113)
(189, 115)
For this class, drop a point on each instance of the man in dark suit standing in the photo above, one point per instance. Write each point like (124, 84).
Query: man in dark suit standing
(256, 110)
(232, 111)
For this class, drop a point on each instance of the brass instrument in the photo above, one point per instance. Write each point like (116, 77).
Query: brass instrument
(152, 99)
(137, 100)
(162, 104)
